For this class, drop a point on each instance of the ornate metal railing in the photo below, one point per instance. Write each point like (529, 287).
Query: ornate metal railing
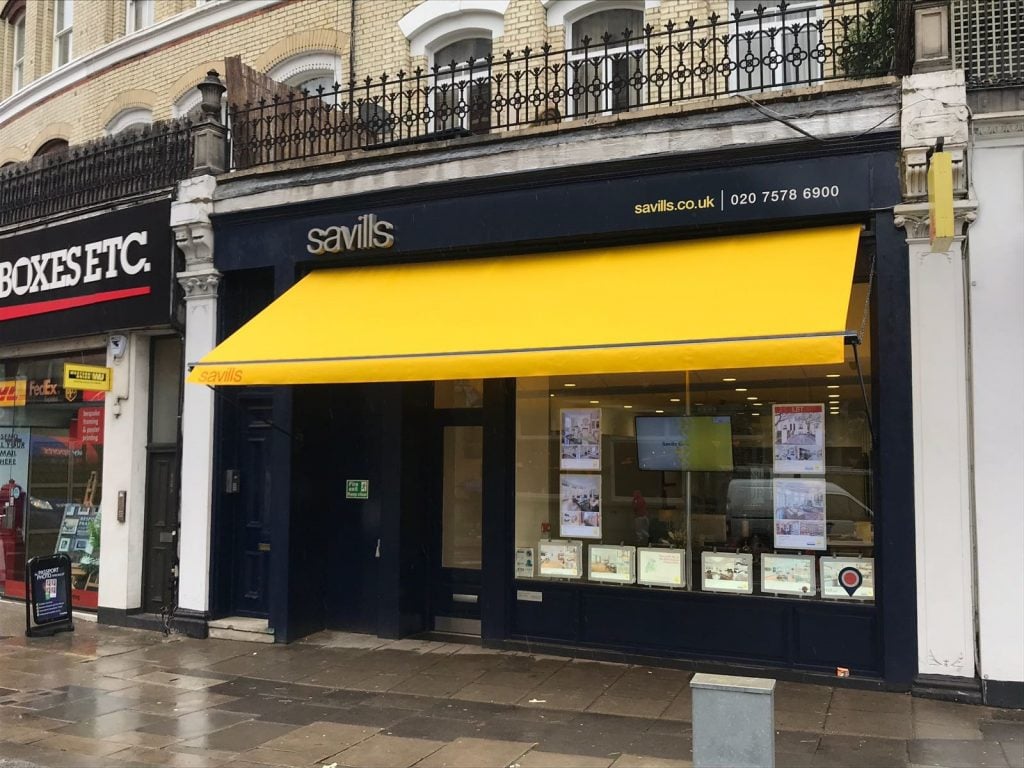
(113, 168)
(988, 42)
(779, 45)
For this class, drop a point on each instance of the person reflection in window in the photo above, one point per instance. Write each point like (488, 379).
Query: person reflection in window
(641, 523)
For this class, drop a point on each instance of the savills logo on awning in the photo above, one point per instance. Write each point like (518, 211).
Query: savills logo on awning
(12, 393)
(368, 232)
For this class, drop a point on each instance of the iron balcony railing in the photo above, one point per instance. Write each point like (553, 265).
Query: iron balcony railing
(988, 42)
(776, 46)
(114, 168)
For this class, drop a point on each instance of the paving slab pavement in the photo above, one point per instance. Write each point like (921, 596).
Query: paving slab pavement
(118, 697)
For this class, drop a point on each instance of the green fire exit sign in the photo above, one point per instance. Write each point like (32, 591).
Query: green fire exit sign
(357, 489)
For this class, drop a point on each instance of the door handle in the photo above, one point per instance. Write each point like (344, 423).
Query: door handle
(377, 553)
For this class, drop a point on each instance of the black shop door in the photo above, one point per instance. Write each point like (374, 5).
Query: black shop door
(161, 546)
(458, 522)
(248, 497)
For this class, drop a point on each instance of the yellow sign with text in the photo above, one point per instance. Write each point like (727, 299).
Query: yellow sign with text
(89, 377)
(940, 202)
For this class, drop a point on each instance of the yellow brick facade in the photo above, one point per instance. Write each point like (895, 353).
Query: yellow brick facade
(263, 38)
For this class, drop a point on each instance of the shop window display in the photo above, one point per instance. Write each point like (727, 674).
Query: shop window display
(51, 461)
(754, 481)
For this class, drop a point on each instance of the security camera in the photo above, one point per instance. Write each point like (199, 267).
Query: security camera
(118, 346)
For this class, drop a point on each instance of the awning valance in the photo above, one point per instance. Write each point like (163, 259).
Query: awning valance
(731, 302)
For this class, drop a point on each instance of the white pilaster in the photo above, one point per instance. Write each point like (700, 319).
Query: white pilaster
(942, 498)
(190, 218)
(126, 431)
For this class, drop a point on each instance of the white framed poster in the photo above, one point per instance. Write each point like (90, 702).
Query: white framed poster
(580, 444)
(799, 518)
(606, 562)
(788, 574)
(726, 572)
(579, 508)
(524, 562)
(14, 445)
(661, 567)
(560, 559)
(798, 443)
(848, 578)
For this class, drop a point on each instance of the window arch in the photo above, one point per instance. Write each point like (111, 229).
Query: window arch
(129, 119)
(309, 71)
(434, 24)
(52, 147)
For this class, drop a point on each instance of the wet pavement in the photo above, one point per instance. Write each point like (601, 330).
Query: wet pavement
(107, 696)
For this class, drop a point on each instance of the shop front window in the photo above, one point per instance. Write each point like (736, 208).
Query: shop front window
(753, 481)
(51, 462)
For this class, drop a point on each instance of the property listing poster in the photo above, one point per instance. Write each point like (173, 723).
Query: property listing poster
(787, 574)
(662, 567)
(799, 513)
(581, 439)
(610, 563)
(560, 559)
(799, 439)
(579, 508)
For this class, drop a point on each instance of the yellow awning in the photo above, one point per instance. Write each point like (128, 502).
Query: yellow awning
(730, 302)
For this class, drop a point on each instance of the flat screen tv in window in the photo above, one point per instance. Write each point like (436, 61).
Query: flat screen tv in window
(684, 443)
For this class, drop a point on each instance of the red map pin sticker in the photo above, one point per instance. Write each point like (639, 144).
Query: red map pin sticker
(850, 579)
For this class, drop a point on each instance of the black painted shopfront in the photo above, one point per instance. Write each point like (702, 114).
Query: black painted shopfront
(458, 472)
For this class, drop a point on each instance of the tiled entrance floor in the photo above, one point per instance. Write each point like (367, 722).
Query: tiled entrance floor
(116, 697)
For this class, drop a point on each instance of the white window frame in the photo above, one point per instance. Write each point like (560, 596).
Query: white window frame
(445, 76)
(740, 80)
(636, 42)
(18, 62)
(148, 14)
(65, 32)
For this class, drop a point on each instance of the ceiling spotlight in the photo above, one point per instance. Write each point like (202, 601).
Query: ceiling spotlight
(832, 386)
(730, 378)
(758, 404)
(659, 411)
(741, 389)
(627, 406)
(833, 396)
(752, 397)
(832, 375)
(673, 399)
(568, 385)
(755, 414)
(594, 402)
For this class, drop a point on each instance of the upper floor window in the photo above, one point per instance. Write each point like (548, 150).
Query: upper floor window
(604, 60)
(774, 44)
(463, 89)
(18, 47)
(63, 19)
(139, 14)
(132, 119)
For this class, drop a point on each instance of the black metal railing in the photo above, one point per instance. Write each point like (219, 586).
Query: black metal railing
(988, 42)
(779, 45)
(117, 167)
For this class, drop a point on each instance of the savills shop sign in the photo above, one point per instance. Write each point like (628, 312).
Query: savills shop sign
(104, 273)
(368, 232)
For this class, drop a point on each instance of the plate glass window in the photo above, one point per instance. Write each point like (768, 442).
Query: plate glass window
(18, 68)
(604, 61)
(63, 21)
(462, 93)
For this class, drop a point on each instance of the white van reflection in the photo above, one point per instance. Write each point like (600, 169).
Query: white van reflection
(749, 511)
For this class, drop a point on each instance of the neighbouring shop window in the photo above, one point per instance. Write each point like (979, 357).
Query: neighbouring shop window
(747, 481)
(51, 478)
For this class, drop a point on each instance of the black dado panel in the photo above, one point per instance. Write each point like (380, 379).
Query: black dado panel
(723, 627)
(770, 631)
(555, 617)
(838, 638)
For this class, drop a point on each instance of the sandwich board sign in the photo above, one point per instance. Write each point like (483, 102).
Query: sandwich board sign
(48, 602)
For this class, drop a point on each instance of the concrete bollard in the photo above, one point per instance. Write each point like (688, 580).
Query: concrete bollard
(733, 722)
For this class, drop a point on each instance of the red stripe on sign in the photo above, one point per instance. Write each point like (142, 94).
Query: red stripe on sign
(56, 305)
